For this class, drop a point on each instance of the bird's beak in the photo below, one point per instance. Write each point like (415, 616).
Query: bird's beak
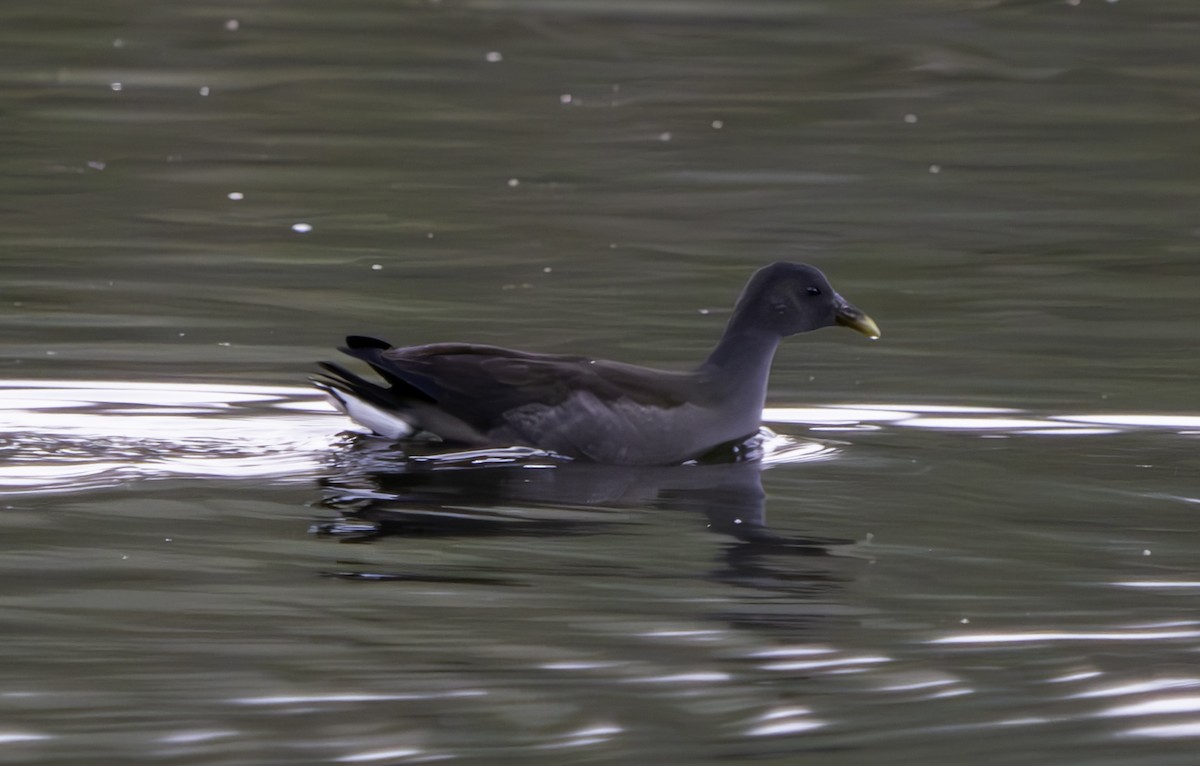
(849, 315)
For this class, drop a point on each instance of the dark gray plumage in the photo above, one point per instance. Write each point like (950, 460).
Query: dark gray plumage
(592, 409)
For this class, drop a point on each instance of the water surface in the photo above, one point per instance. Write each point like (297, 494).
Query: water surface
(972, 540)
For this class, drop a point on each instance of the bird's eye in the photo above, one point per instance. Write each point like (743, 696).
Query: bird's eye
(814, 291)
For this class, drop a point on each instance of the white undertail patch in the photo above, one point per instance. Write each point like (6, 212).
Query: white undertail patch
(389, 425)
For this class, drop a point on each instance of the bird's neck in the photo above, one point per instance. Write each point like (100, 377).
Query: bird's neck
(742, 359)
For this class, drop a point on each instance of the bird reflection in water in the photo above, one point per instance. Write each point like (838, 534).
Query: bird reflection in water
(380, 490)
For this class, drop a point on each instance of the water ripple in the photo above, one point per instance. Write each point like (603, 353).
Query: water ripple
(68, 435)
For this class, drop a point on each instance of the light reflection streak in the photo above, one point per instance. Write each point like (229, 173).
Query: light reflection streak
(598, 665)
(1149, 421)
(782, 721)
(703, 635)
(944, 693)
(681, 678)
(10, 737)
(820, 664)
(381, 755)
(1082, 675)
(1162, 706)
(589, 735)
(1170, 730)
(195, 737)
(918, 685)
(1063, 635)
(776, 728)
(1139, 687)
(791, 651)
(323, 698)
(865, 417)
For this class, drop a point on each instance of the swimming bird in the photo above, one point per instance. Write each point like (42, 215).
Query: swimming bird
(592, 409)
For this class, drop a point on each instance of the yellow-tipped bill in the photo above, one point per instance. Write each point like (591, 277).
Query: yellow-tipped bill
(852, 317)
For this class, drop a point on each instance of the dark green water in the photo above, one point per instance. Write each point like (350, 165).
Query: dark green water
(974, 540)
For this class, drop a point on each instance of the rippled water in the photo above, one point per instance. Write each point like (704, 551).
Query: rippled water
(974, 540)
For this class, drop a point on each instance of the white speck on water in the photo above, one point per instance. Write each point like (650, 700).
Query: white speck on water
(665, 136)
(705, 312)
(547, 270)
(232, 25)
(376, 267)
(235, 196)
(612, 245)
(718, 124)
(51, 353)
(935, 169)
(1146, 552)
(965, 621)
(302, 227)
(204, 90)
(97, 165)
(494, 57)
(167, 540)
(910, 118)
(1072, 2)
(564, 98)
(115, 86)
(224, 343)
(514, 183)
(118, 43)
(429, 235)
(124, 557)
